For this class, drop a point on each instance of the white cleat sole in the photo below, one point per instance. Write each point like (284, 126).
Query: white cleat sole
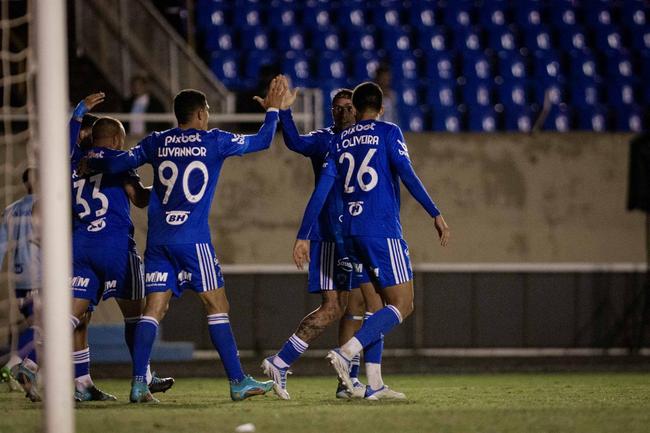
(386, 394)
(272, 374)
(342, 368)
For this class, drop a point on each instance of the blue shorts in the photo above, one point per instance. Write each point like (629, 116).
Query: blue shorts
(327, 269)
(385, 260)
(359, 276)
(102, 273)
(180, 267)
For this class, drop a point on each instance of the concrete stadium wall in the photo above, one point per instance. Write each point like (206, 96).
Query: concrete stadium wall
(507, 198)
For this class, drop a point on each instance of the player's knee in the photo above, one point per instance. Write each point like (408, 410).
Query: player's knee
(333, 310)
(405, 308)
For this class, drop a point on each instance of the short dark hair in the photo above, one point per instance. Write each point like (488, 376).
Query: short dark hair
(26, 174)
(186, 102)
(367, 96)
(106, 127)
(88, 120)
(342, 94)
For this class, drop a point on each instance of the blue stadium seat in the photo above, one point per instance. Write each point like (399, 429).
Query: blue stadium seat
(442, 95)
(586, 94)
(395, 39)
(592, 119)
(538, 39)
(482, 119)
(628, 118)
(361, 40)
(212, 14)
(227, 68)
(248, 14)
(608, 40)
(517, 119)
(621, 94)
(634, 15)
(297, 67)
(563, 16)
(468, 42)
(352, 16)
(513, 67)
(502, 39)
(558, 119)
(282, 16)
(315, 14)
(572, 39)
(477, 68)
(324, 39)
(254, 38)
(331, 67)
(640, 40)
(364, 65)
(528, 14)
(411, 118)
(547, 67)
(459, 15)
(446, 119)
(584, 67)
(597, 15)
(408, 95)
(424, 18)
(219, 39)
(441, 67)
(387, 16)
(404, 66)
(434, 41)
(620, 68)
(493, 15)
(557, 93)
(478, 94)
(513, 95)
(290, 39)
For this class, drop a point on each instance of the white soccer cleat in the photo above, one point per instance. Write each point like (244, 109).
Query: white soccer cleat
(383, 393)
(279, 377)
(342, 367)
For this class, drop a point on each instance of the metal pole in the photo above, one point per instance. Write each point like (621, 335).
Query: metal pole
(52, 97)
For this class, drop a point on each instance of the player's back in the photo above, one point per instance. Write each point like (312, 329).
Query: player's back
(186, 165)
(367, 180)
(101, 209)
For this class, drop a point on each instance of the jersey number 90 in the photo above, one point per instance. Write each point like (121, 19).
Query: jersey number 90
(170, 181)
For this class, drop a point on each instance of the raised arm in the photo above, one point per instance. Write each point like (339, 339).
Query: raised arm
(83, 107)
(303, 144)
(401, 161)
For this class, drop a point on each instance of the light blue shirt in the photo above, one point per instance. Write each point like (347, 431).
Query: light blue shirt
(16, 236)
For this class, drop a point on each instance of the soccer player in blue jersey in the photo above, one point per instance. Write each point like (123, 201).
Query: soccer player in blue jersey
(16, 238)
(366, 162)
(330, 273)
(186, 162)
(101, 216)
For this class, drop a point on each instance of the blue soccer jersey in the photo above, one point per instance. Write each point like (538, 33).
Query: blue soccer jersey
(314, 146)
(101, 208)
(186, 165)
(367, 160)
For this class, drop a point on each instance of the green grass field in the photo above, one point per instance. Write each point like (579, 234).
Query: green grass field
(521, 403)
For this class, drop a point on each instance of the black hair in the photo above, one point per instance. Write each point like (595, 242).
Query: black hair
(186, 102)
(367, 96)
(342, 94)
(88, 120)
(26, 176)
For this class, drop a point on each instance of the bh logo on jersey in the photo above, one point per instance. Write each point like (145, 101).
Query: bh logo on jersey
(177, 217)
(355, 207)
(97, 225)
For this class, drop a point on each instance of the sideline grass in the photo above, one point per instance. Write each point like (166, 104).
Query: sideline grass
(505, 403)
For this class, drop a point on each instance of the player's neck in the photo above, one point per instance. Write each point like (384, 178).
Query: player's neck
(369, 116)
(190, 125)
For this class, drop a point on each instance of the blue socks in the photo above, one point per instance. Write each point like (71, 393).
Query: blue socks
(26, 344)
(291, 351)
(354, 367)
(378, 324)
(224, 341)
(81, 361)
(372, 352)
(145, 335)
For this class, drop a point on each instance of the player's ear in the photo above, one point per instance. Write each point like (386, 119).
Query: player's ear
(381, 111)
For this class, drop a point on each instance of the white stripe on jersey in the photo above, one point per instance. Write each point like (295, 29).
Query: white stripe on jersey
(201, 268)
(399, 278)
(402, 260)
(211, 268)
(208, 271)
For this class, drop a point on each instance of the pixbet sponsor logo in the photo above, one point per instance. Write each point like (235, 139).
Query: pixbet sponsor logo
(181, 139)
(358, 128)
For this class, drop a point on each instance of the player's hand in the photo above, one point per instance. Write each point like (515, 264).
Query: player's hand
(443, 230)
(277, 90)
(93, 100)
(289, 98)
(301, 253)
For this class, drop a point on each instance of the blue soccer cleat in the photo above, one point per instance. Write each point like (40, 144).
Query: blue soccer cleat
(279, 376)
(140, 393)
(249, 387)
(160, 384)
(342, 367)
(92, 393)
